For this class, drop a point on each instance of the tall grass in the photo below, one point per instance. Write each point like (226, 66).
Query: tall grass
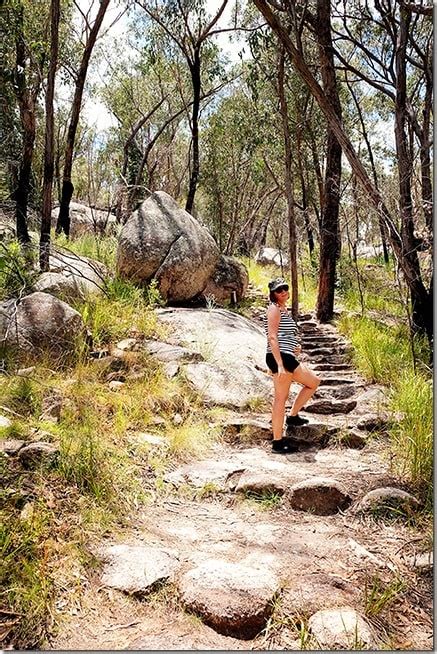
(383, 355)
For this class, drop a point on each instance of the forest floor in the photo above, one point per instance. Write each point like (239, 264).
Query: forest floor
(239, 507)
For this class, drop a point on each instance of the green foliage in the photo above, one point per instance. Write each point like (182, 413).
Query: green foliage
(99, 248)
(17, 271)
(379, 351)
(379, 595)
(22, 395)
(412, 431)
(383, 355)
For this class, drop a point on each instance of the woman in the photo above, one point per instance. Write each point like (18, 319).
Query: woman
(282, 348)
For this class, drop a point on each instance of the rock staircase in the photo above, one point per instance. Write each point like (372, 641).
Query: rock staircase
(257, 544)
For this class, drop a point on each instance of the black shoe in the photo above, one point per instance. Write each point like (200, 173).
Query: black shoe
(296, 421)
(283, 446)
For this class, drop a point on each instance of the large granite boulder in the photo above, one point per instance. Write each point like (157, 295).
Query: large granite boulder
(87, 220)
(72, 277)
(271, 257)
(162, 241)
(37, 323)
(228, 283)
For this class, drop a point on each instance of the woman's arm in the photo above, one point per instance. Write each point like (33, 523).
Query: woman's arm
(273, 320)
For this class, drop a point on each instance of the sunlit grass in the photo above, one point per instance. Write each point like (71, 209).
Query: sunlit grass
(99, 248)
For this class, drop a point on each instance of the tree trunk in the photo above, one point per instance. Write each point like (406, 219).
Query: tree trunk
(26, 100)
(329, 236)
(63, 223)
(303, 186)
(46, 217)
(422, 305)
(289, 187)
(195, 77)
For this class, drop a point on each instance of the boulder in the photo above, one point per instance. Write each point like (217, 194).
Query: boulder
(162, 241)
(232, 598)
(72, 277)
(86, 220)
(137, 569)
(271, 257)
(312, 591)
(37, 323)
(228, 283)
(330, 407)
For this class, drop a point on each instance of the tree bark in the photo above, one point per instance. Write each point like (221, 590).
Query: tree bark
(329, 236)
(289, 186)
(26, 97)
(195, 164)
(46, 217)
(63, 223)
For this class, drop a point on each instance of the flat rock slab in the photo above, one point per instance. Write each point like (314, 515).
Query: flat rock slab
(233, 598)
(307, 593)
(319, 495)
(341, 628)
(223, 388)
(137, 569)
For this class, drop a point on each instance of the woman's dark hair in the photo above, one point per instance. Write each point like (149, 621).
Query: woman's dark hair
(272, 296)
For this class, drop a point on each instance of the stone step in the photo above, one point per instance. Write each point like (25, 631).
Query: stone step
(336, 392)
(336, 381)
(314, 345)
(331, 406)
(332, 366)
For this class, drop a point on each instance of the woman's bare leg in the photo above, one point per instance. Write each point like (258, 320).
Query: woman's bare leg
(310, 383)
(282, 385)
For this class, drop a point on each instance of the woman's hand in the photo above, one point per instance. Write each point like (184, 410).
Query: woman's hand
(298, 350)
(281, 370)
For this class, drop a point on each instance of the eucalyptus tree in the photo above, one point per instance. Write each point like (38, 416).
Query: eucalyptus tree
(402, 241)
(90, 32)
(240, 193)
(188, 25)
(46, 212)
(24, 25)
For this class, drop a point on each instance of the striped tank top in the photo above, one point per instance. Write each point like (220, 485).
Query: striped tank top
(287, 334)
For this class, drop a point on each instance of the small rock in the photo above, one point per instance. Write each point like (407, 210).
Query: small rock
(137, 569)
(177, 419)
(311, 592)
(26, 372)
(352, 438)
(11, 446)
(115, 385)
(5, 422)
(341, 628)
(127, 345)
(389, 502)
(171, 369)
(309, 435)
(39, 453)
(151, 439)
(374, 422)
(319, 495)
(26, 512)
(51, 408)
(423, 562)
(232, 598)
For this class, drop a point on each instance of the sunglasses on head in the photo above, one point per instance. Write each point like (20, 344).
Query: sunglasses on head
(281, 289)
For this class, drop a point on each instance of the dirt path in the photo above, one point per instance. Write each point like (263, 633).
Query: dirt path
(246, 548)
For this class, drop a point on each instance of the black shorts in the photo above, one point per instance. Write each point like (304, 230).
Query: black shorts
(290, 362)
